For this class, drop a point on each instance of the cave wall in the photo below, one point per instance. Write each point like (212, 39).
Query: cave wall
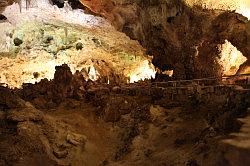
(4, 3)
(185, 39)
(180, 37)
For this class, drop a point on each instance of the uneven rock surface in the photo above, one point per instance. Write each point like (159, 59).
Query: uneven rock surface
(180, 37)
(43, 36)
(49, 123)
(238, 146)
(76, 119)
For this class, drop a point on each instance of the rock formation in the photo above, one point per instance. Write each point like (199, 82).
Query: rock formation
(84, 93)
(180, 38)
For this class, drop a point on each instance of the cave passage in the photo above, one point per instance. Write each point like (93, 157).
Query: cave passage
(131, 83)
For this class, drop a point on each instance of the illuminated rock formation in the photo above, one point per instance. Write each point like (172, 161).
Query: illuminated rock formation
(230, 58)
(49, 38)
(240, 6)
(181, 35)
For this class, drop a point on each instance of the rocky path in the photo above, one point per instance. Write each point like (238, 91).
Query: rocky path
(238, 147)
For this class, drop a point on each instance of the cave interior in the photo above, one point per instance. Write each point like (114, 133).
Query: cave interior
(125, 82)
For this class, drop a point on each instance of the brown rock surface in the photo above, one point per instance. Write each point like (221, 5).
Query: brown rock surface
(180, 38)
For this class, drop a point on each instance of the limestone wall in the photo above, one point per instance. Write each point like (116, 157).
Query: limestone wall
(241, 6)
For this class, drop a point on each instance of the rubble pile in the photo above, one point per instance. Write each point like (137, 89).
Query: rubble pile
(31, 131)
(51, 93)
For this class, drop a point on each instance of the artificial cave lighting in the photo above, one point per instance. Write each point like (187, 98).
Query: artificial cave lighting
(93, 73)
(240, 6)
(168, 72)
(41, 36)
(230, 58)
(144, 71)
(245, 11)
(124, 82)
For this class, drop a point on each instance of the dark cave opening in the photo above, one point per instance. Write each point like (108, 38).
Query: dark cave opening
(58, 3)
(75, 4)
(2, 17)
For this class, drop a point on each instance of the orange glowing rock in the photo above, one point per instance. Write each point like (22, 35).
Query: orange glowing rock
(102, 7)
(230, 58)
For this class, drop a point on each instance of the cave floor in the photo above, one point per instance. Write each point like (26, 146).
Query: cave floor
(70, 121)
(75, 134)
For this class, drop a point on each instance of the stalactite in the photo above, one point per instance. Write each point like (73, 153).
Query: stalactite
(20, 5)
(26, 4)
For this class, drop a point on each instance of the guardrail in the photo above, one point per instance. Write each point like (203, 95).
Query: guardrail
(202, 81)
